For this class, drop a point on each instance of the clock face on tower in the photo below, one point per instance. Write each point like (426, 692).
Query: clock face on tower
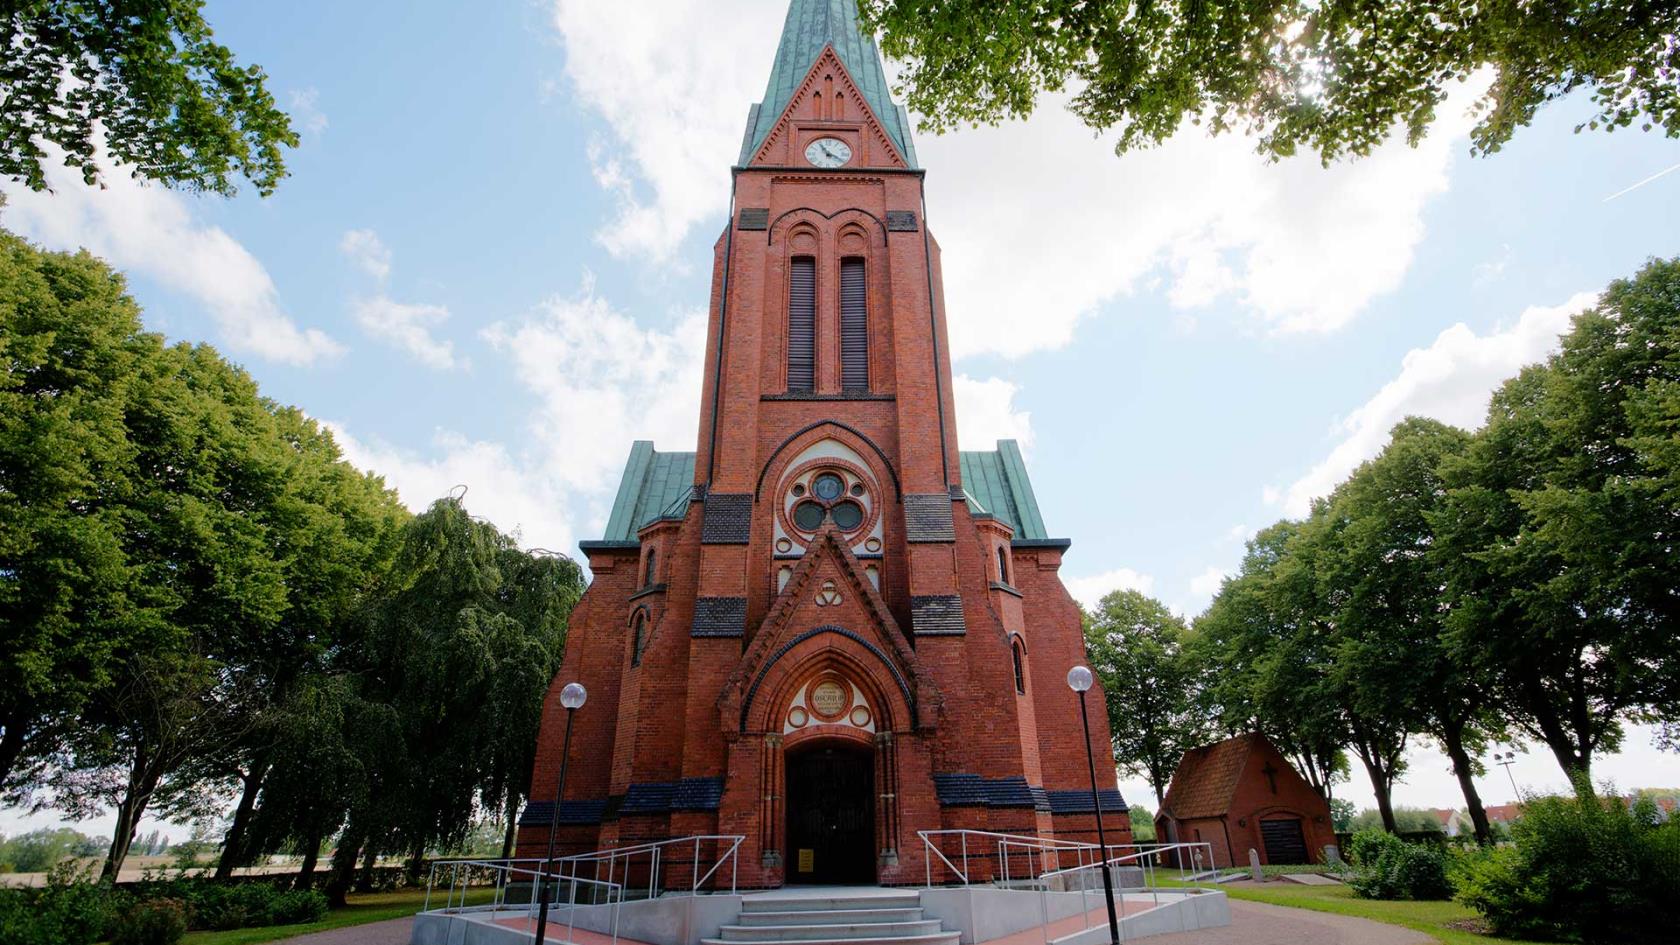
(828, 152)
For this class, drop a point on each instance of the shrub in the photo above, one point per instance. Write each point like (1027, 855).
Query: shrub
(1581, 869)
(152, 922)
(69, 910)
(296, 906)
(1387, 867)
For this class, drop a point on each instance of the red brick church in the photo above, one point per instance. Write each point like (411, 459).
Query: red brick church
(826, 628)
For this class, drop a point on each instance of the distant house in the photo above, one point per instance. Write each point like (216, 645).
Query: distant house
(1242, 794)
(1452, 822)
(1506, 814)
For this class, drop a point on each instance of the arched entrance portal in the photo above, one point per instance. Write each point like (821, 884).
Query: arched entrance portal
(831, 813)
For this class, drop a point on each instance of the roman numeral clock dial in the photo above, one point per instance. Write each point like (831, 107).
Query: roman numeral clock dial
(828, 152)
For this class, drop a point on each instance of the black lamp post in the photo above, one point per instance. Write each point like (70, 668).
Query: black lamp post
(572, 698)
(1079, 680)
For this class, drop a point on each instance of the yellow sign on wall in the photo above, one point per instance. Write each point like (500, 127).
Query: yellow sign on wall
(807, 861)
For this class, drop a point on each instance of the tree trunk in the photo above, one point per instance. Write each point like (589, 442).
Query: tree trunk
(370, 856)
(416, 861)
(512, 831)
(234, 852)
(1452, 739)
(1381, 786)
(142, 782)
(11, 749)
(344, 863)
(306, 870)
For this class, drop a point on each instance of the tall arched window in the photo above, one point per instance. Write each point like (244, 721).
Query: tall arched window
(854, 326)
(1003, 564)
(638, 637)
(1020, 655)
(802, 324)
(652, 571)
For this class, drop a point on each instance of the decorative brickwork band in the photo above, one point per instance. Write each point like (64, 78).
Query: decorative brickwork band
(572, 813)
(901, 221)
(720, 617)
(729, 519)
(937, 615)
(1079, 801)
(755, 218)
(927, 517)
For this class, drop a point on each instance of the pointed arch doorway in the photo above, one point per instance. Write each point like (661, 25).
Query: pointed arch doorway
(831, 813)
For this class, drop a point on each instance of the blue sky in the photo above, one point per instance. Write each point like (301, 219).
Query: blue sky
(490, 264)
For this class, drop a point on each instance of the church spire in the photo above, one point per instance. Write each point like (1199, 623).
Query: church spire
(812, 26)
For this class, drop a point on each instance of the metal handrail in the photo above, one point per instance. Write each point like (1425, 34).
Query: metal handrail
(505, 871)
(617, 862)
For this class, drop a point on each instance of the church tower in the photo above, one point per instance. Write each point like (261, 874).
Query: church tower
(827, 628)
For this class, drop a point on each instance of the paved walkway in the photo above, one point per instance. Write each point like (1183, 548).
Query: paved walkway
(1257, 923)
(389, 932)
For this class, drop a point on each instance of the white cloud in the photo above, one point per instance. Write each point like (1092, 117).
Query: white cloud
(1451, 381)
(152, 231)
(1302, 247)
(367, 251)
(986, 413)
(602, 380)
(503, 489)
(1207, 583)
(305, 112)
(404, 324)
(674, 79)
(409, 328)
(1090, 590)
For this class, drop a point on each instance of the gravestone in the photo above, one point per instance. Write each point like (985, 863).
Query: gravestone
(1254, 865)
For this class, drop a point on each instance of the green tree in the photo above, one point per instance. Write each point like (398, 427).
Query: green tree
(1396, 667)
(1136, 647)
(1143, 824)
(71, 346)
(1558, 528)
(1333, 76)
(1264, 660)
(137, 83)
(460, 646)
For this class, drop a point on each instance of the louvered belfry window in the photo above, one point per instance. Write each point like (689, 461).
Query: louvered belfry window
(802, 324)
(854, 326)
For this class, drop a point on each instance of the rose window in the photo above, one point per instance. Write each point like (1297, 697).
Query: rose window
(827, 495)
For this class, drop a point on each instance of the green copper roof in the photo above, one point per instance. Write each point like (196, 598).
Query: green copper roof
(658, 485)
(996, 483)
(812, 25)
(655, 485)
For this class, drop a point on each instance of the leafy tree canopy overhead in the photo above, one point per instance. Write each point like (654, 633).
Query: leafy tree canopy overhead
(1332, 76)
(139, 83)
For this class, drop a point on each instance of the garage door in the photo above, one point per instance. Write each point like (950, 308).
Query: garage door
(1283, 840)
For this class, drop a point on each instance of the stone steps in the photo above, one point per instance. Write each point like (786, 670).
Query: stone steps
(833, 919)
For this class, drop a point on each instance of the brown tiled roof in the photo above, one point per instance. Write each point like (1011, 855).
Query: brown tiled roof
(1207, 777)
(1504, 813)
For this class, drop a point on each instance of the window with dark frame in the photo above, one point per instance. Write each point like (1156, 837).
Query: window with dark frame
(1003, 564)
(652, 571)
(802, 325)
(1020, 665)
(854, 326)
(638, 637)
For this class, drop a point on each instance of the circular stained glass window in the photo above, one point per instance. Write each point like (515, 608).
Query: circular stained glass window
(857, 488)
(828, 487)
(847, 515)
(808, 516)
(798, 490)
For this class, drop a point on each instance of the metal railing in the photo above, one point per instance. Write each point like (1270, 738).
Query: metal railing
(504, 873)
(607, 877)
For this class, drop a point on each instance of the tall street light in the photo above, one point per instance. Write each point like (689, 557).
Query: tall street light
(1505, 761)
(1079, 680)
(572, 698)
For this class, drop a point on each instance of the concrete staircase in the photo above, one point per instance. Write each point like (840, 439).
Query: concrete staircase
(834, 918)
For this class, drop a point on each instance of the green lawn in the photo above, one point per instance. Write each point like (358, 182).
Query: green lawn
(362, 908)
(1431, 918)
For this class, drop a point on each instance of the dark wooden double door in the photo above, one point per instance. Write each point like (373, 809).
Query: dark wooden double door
(831, 816)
